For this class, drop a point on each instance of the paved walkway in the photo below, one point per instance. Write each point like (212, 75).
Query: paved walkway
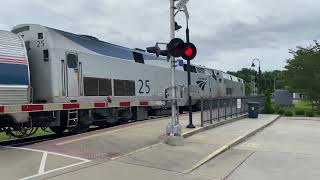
(161, 161)
(289, 149)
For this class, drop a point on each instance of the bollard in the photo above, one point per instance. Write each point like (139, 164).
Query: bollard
(202, 123)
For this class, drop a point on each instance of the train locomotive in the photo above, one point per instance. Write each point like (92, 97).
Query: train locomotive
(45, 66)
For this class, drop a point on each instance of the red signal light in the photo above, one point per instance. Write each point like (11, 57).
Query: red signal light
(188, 51)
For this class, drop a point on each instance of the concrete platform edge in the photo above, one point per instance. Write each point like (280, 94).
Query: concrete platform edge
(202, 129)
(229, 145)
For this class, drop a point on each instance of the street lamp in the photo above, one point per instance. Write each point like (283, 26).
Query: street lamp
(259, 73)
(253, 65)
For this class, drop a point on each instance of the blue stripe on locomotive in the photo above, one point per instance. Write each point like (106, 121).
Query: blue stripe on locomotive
(14, 74)
(102, 47)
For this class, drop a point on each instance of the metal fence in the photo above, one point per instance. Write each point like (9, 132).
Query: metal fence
(217, 109)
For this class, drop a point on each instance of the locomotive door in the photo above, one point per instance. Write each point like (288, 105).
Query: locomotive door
(72, 78)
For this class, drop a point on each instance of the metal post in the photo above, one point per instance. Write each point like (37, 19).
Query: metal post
(219, 110)
(202, 109)
(236, 108)
(231, 104)
(174, 138)
(225, 109)
(190, 125)
(211, 102)
(173, 85)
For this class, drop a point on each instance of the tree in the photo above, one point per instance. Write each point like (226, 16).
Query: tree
(265, 81)
(245, 74)
(267, 104)
(303, 71)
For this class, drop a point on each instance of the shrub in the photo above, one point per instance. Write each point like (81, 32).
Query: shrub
(281, 111)
(267, 104)
(310, 113)
(288, 113)
(300, 112)
(318, 112)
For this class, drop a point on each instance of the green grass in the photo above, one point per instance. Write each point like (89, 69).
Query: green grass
(300, 105)
(40, 132)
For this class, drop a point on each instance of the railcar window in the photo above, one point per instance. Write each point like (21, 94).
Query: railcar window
(72, 60)
(138, 57)
(229, 91)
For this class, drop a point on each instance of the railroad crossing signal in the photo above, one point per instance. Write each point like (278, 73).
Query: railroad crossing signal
(189, 52)
(176, 48)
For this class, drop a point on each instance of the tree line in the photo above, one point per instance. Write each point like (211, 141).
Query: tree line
(301, 74)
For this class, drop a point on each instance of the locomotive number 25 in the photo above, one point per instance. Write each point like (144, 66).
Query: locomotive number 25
(144, 87)
(40, 43)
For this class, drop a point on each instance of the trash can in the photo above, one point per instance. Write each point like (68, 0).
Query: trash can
(253, 109)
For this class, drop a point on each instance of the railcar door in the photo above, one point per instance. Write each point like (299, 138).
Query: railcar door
(72, 78)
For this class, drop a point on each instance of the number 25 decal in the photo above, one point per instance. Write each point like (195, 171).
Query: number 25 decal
(144, 87)
(40, 43)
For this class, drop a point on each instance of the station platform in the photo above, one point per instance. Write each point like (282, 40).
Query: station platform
(130, 151)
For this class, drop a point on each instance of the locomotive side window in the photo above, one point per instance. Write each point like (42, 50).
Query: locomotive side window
(72, 61)
(138, 57)
(40, 35)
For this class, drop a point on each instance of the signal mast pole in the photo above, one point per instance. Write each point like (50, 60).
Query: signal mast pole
(172, 59)
(175, 129)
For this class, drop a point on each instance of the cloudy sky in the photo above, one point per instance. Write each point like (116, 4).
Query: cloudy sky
(228, 34)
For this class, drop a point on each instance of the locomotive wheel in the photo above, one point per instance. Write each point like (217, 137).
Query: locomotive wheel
(80, 128)
(58, 130)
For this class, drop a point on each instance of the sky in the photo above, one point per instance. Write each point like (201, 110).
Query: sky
(228, 34)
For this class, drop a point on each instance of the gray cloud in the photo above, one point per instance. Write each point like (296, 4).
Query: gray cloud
(228, 33)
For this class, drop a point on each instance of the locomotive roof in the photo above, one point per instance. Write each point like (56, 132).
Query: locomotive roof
(104, 48)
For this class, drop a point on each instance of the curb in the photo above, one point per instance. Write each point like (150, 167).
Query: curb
(206, 128)
(228, 146)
